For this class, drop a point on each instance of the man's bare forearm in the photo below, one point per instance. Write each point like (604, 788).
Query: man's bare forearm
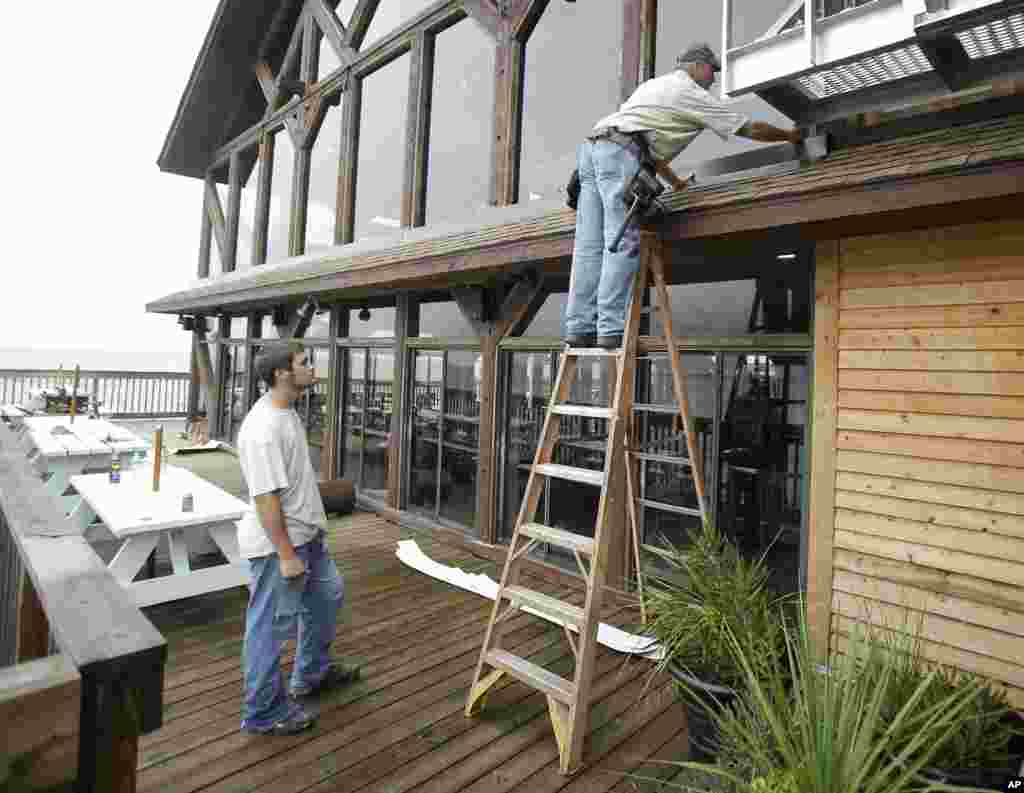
(271, 516)
(665, 172)
(768, 133)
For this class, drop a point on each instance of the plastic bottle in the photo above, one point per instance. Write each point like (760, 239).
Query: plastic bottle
(115, 468)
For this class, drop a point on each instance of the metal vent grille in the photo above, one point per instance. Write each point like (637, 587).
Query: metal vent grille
(884, 67)
(994, 37)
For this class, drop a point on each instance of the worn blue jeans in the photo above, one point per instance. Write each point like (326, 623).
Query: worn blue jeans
(306, 609)
(602, 282)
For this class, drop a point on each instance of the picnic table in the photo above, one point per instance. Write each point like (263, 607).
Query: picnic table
(61, 449)
(141, 518)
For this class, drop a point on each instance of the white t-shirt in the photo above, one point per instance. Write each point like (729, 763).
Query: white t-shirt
(274, 456)
(673, 110)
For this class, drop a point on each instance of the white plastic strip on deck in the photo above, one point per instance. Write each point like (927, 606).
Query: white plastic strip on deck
(608, 635)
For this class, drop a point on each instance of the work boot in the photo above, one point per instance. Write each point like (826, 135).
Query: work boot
(581, 340)
(610, 342)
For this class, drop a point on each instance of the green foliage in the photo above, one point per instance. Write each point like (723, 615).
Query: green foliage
(803, 727)
(709, 595)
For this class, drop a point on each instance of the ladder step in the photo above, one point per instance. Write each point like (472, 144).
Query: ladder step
(593, 352)
(535, 676)
(566, 613)
(589, 411)
(585, 475)
(563, 539)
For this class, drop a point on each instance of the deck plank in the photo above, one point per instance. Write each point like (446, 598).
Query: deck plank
(401, 727)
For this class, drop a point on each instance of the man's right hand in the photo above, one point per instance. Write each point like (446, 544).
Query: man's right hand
(292, 567)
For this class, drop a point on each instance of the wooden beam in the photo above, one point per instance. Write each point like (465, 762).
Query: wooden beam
(216, 216)
(33, 627)
(362, 15)
(639, 44)
(289, 68)
(472, 303)
(485, 14)
(821, 512)
(44, 699)
(332, 28)
(399, 404)
(234, 212)
(348, 162)
(510, 65)
(261, 222)
(205, 239)
(417, 136)
(525, 15)
(269, 86)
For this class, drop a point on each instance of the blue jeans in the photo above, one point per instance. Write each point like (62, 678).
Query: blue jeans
(602, 282)
(276, 610)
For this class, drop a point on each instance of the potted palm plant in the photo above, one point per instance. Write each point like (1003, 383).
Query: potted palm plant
(707, 598)
(800, 726)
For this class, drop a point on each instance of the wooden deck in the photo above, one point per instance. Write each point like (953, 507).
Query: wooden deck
(401, 728)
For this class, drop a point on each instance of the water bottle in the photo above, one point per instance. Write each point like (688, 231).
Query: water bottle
(115, 468)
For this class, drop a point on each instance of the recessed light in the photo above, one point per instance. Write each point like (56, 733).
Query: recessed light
(786, 256)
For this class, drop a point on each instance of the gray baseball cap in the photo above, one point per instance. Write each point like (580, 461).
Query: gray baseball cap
(699, 53)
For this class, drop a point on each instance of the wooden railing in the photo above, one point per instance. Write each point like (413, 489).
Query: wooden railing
(81, 668)
(121, 395)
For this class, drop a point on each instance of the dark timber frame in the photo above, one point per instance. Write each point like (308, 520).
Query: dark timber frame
(296, 106)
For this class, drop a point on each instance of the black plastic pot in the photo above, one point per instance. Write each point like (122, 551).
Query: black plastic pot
(701, 705)
(984, 778)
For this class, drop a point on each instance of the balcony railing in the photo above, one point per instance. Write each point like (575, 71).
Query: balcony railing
(854, 46)
(81, 668)
(121, 395)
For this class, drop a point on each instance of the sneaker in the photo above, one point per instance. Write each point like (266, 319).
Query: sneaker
(336, 677)
(297, 720)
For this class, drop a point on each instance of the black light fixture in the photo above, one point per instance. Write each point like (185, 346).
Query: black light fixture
(187, 323)
(280, 316)
(364, 314)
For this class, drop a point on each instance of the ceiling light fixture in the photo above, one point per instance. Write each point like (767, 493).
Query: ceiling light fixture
(364, 314)
(786, 256)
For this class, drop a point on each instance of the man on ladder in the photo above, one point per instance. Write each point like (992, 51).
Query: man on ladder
(662, 117)
(668, 113)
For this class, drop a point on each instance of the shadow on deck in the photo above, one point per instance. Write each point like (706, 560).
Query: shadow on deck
(401, 728)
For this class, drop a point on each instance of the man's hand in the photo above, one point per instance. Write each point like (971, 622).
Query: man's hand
(292, 567)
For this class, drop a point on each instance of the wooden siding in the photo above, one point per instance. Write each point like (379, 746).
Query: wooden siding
(928, 507)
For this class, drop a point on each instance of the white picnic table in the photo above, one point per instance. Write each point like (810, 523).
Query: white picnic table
(138, 516)
(62, 448)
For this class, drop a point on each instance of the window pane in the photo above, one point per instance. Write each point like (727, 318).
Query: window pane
(312, 407)
(460, 127)
(532, 374)
(444, 319)
(661, 527)
(381, 144)
(238, 326)
(280, 197)
(424, 419)
(323, 182)
(577, 88)
(461, 437)
(351, 407)
(549, 320)
(390, 14)
(377, 419)
(375, 323)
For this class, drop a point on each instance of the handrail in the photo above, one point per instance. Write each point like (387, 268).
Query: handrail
(66, 591)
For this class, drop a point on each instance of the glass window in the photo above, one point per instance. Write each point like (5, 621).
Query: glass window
(371, 323)
(238, 326)
(549, 319)
(353, 364)
(280, 197)
(377, 420)
(444, 319)
(323, 183)
(555, 72)
(381, 150)
(328, 61)
(390, 14)
(460, 124)
(268, 330)
(312, 408)
(235, 401)
(681, 24)
(425, 425)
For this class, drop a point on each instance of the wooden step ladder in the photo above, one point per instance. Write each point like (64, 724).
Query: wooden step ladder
(569, 700)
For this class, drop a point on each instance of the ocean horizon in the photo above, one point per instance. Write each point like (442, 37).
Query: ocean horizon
(94, 359)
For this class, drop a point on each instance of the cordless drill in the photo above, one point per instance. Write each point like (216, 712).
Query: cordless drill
(641, 196)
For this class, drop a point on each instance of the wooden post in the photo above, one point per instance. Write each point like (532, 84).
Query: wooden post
(348, 161)
(261, 225)
(403, 327)
(234, 212)
(33, 626)
(158, 447)
(417, 139)
(487, 473)
(509, 72)
(639, 43)
(73, 407)
(205, 238)
(821, 510)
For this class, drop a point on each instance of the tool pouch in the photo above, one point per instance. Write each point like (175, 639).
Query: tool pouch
(572, 190)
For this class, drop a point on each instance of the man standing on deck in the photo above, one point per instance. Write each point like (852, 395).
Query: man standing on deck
(662, 117)
(294, 582)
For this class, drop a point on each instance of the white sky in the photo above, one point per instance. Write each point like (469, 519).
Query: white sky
(93, 229)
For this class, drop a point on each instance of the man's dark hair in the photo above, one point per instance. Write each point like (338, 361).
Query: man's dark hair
(276, 357)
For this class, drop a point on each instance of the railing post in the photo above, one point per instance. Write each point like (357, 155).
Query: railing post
(33, 627)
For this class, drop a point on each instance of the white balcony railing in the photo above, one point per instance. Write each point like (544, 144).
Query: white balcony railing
(853, 45)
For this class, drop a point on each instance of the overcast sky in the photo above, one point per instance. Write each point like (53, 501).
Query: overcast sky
(94, 230)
